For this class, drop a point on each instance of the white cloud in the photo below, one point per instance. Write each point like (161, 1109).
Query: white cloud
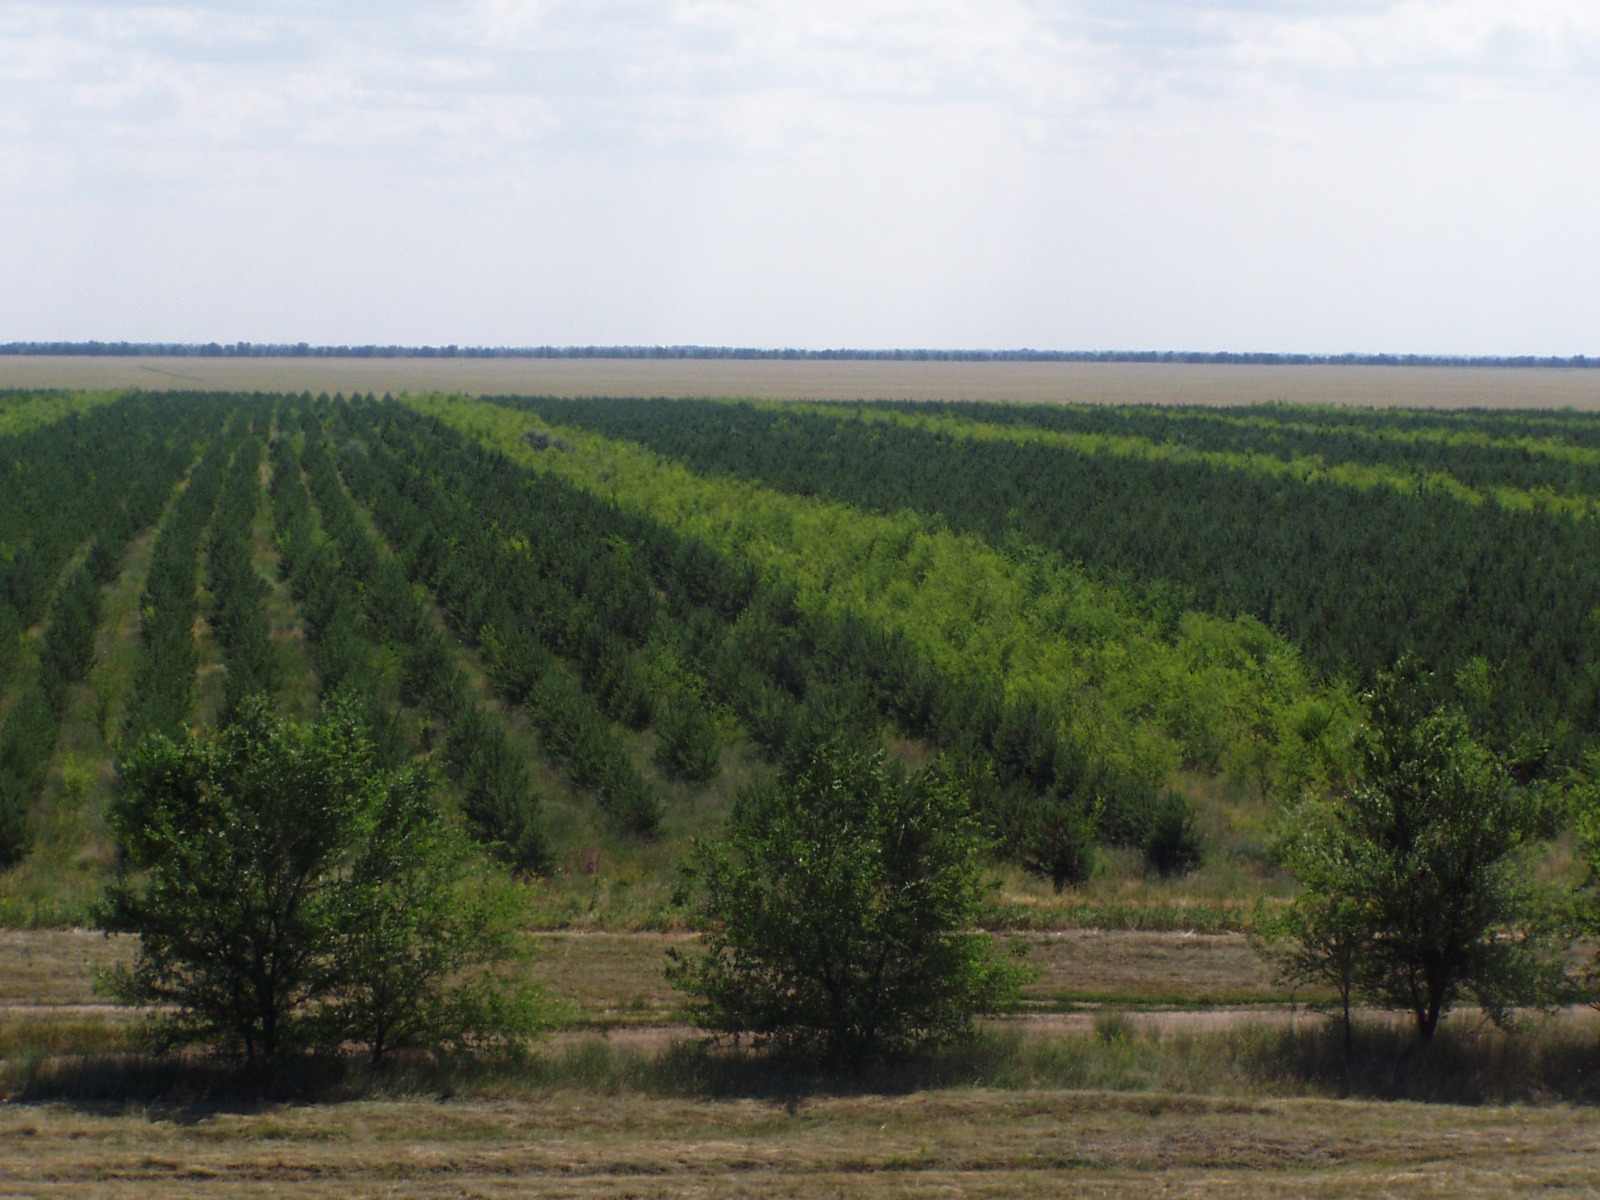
(1057, 172)
(732, 77)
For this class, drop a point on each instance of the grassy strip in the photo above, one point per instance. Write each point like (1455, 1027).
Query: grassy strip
(1133, 1057)
(1307, 469)
(22, 411)
(1469, 429)
(1219, 917)
(1214, 689)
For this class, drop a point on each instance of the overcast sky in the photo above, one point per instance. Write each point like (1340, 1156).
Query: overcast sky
(1287, 175)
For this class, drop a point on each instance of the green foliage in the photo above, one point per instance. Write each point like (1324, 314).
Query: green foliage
(164, 673)
(238, 617)
(1171, 837)
(1356, 536)
(288, 892)
(360, 603)
(1053, 836)
(898, 644)
(68, 648)
(89, 481)
(689, 746)
(1324, 937)
(1144, 690)
(1415, 892)
(418, 926)
(838, 910)
(26, 741)
(451, 539)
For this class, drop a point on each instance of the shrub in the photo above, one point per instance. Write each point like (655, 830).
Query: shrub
(287, 892)
(838, 910)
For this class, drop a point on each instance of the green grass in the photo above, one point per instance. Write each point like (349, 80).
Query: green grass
(96, 1061)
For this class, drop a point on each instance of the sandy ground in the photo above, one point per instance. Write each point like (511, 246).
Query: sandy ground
(1095, 383)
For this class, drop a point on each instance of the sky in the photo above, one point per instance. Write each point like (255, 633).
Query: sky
(1318, 176)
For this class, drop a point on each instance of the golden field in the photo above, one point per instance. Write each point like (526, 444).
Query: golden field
(1079, 383)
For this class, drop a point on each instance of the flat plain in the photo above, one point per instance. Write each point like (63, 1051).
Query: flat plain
(1022, 382)
(957, 1142)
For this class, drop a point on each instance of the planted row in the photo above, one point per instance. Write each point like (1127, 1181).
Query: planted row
(362, 614)
(793, 677)
(238, 592)
(1500, 603)
(448, 549)
(164, 673)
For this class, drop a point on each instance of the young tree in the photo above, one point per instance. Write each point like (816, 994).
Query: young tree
(1587, 903)
(1322, 938)
(1414, 893)
(416, 929)
(1053, 835)
(838, 911)
(287, 891)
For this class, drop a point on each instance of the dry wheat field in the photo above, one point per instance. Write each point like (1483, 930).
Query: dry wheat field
(1020, 382)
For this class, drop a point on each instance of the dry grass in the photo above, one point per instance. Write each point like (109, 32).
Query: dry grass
(615, 978)
(1133, 968)
(1089, 383)
(55, 966)
(1195, 1103)
(950, 1142)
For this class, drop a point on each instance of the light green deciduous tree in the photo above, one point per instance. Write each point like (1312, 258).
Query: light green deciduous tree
(1415, 889)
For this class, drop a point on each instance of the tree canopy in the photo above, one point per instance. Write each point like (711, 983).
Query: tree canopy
(838, 911)
(289, 893)
(1415, 893)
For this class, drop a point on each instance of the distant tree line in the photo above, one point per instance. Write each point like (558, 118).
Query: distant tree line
(915, 354)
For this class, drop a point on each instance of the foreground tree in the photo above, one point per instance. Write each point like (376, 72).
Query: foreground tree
(838, 911)
(1587, 906)
(1324, 937)
(287, 892)
(1415, 892)
(427, 948)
